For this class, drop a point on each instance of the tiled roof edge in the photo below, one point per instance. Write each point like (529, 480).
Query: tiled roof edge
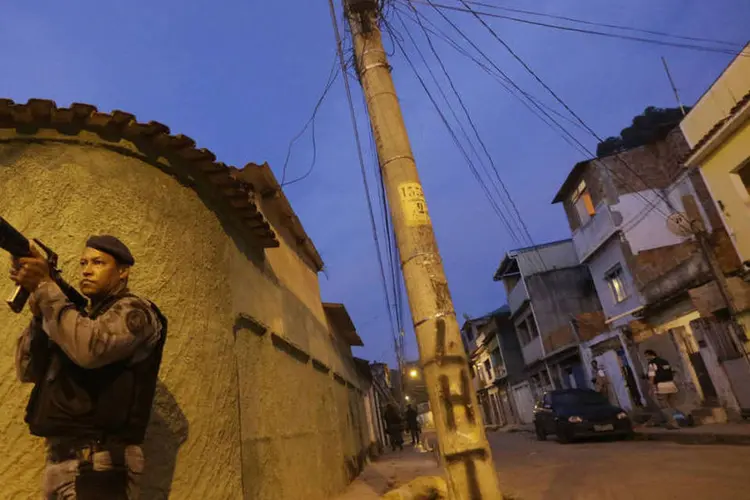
(36, 114)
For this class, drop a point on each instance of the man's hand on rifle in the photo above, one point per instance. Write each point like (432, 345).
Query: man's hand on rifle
(30, 272)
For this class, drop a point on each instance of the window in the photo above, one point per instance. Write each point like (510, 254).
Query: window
(488, 368)
(581, 200)
(532, 327)
(480, 372)
(744, 176)
(527, 330)
(497, 359)
(498, 363)
(616, 284)
(523, 333)
(469, 334)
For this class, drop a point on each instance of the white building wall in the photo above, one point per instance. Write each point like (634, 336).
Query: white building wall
(644, 223)
(641, 216)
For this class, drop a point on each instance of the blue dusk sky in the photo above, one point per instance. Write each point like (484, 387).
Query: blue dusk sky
(242, 78)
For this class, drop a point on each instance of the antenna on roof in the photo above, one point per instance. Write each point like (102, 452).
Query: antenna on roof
(674, 89)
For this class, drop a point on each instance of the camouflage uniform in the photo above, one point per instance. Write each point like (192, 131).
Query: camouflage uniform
(129, 330)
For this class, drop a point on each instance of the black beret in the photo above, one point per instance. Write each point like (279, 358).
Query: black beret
(114, 247)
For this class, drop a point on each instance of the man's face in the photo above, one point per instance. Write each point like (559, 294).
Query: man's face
(100, 273)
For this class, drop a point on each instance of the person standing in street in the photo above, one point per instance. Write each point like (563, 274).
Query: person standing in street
(94, 373)
(661, 377)
(600, 380)
(395, 426)
(412, 422)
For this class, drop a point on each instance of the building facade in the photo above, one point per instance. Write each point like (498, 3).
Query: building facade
(496, 364)
(554, 307)
(717, 130)
(259, 396)
(377, 396)
(634, 218)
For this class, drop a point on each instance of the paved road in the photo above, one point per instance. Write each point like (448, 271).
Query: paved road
(533, 470)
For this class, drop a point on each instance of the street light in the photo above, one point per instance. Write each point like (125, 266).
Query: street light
(413, 373)
(406, 398)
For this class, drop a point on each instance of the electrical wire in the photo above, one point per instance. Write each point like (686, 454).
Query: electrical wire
(442, 116)
(358, 142)
(437, 32)
(333, 74)
(502, 216)
(536, 248)
(553, 123)
(605, 25)
(563, 103)
(566, 135)
(455, 139)
(520, 222)
(470, 10)
(391, 246)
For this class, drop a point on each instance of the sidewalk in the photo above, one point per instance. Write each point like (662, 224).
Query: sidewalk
(389, 471)
(730, 433)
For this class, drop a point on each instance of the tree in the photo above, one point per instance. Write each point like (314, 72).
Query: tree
(652, 125)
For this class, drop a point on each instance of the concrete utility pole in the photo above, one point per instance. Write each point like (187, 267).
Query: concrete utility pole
(463, 444)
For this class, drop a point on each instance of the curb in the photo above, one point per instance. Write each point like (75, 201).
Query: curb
(694, 439)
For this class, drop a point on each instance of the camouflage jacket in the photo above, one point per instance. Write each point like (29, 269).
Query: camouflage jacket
(128, 330)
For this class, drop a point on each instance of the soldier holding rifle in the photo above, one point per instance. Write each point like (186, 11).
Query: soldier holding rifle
(94, 368)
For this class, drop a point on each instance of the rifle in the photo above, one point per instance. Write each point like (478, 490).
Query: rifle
(19, 246)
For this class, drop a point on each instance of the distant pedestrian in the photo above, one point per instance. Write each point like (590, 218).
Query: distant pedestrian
(412, 422)
(395, 426)
(600, 380)
(661, 376)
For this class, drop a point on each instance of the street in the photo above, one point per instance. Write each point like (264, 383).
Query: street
(596, 470)
(644, 470)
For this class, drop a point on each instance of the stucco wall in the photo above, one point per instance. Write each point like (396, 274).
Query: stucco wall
(727, 188)
(234, 409)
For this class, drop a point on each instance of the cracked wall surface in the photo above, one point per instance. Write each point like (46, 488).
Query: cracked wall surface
(234, 411)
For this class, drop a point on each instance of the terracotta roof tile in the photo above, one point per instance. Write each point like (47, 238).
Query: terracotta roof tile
(263, 182)
(152, 137)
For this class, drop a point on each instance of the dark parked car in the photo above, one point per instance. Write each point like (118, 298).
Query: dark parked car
(574, 413)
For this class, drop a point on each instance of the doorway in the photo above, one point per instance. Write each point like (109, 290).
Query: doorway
(710, 396)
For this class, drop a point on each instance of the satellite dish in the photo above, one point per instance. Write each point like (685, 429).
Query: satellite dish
(679, 224)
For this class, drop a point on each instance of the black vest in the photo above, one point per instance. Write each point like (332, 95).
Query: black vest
(111, 402)
(664, 372)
